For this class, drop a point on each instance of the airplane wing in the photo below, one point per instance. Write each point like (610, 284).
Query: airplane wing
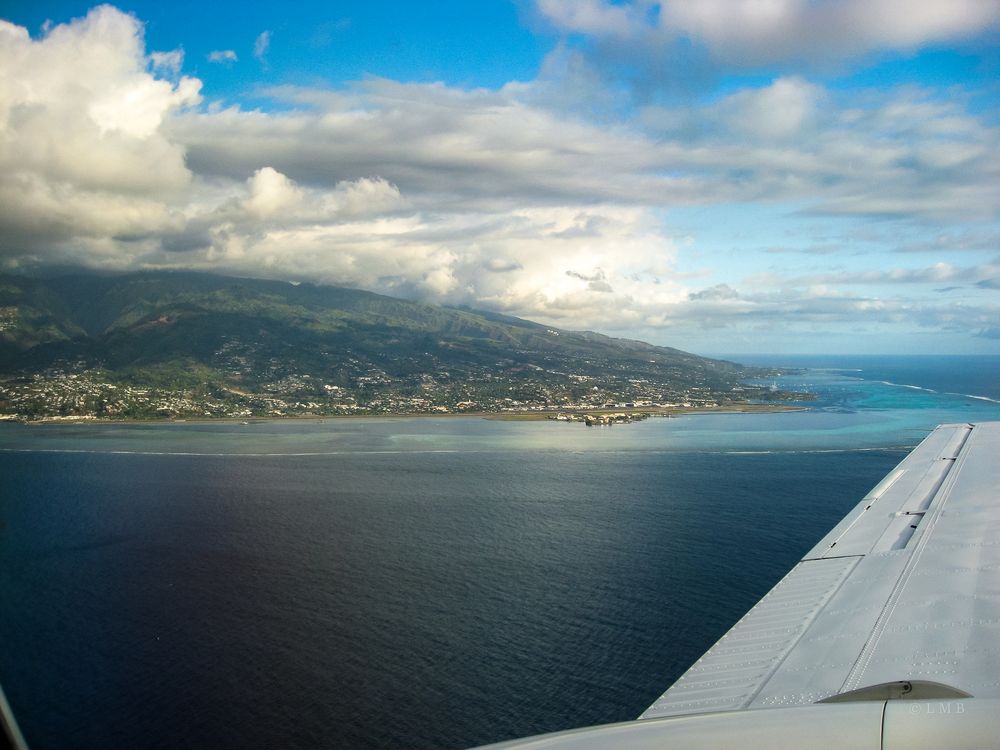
(886, 634)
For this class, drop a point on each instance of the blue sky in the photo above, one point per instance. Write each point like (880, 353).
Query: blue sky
(718, 175)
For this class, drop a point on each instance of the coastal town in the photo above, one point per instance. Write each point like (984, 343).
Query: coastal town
(86, 394)
(162, 346)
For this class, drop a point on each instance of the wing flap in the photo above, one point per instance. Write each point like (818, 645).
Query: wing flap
(756, 646)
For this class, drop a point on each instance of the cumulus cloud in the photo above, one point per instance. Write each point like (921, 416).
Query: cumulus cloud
(495, 198)
(81, 150)
(415, 190)
(366, 196)
(270, 192)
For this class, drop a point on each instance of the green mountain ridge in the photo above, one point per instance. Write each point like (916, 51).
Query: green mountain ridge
(219, 338)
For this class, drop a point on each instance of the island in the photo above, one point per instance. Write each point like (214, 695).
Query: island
(185, 345)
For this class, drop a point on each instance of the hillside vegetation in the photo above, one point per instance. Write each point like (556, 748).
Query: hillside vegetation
(173, 343)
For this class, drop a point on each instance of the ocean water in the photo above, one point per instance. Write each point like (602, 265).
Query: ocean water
(418, 582)
(975, 377)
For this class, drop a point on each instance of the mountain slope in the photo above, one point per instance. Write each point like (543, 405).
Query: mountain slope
(346, 347)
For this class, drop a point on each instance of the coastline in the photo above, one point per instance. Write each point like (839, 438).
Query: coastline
(659, 411)
(519, 416)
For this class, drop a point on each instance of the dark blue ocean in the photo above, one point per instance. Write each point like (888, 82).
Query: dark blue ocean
(418, 582)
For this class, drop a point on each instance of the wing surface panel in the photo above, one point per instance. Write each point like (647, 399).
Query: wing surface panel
(906, 587)
(942, 622)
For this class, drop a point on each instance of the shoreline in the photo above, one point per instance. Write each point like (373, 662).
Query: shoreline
(658, 411)
(512, 416)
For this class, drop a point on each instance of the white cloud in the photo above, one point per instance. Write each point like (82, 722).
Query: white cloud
(167, 62)
(488, 197)
(81, 151)
(781, 110)
(366, 196)
(261, 44)
(595, 17)
(271, 192)
(761, 32)
(936, 273)
(717, 292)
(137, 107)
(222, 56)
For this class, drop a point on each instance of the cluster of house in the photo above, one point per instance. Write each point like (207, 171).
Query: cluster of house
(593, 420)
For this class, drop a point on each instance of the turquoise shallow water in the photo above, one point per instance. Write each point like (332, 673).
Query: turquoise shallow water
(848, 414)
(412, 582)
